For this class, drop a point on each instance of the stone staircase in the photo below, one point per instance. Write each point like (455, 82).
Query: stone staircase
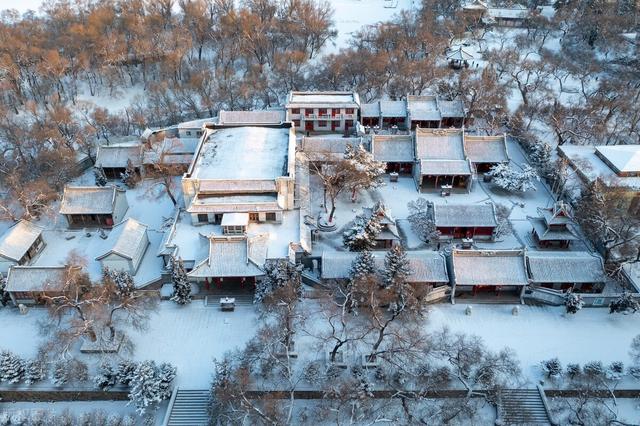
(523, 407)
(188, 407)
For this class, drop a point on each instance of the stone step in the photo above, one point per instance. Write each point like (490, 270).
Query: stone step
(523, 406)
(189, 408)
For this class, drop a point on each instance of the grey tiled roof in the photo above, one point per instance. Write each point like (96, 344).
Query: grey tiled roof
(35, 278)
(18, 239)
(565, 267)
(546, 234)
(118, 155)
(486, 149)
(439, 144)
(233, 257)
(465, 215)
(393, 148)
(88, 200)
(445, 167)
(488, 267)
(126, 239)
(426, 266)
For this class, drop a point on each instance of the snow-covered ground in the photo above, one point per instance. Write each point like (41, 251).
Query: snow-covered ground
(350, 16)
(188, 336)
(539, 333)
(115, 101)
(191, 336)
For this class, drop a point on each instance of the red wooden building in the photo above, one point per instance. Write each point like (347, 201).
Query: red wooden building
(477, 221)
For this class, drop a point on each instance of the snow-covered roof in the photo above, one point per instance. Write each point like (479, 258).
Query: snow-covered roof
(453, 108)
(182, 145)
(476, 5)
(439, 144)
(544, 233)
(489, 267)
(445, 167)
(189, 242)
(393, 108)
(18, 240)
(196, 124)
(226, 186)
(515, 12)
(565, 267)
(384, 108)
(590, 166)
(88, 199)
(234, 203)
(150, 157)
(486, 149)
(459, 54)
(426, 266)
(371, 109)
(389, 229)
(247, 152)
(146, 133)
(621, 158)
(272, 116)
(423, 108)
(323, 99)
(125, 240)
(118, 155)
(35, 278)
(327, 148)
(61, 242)
(465, 215)
(233, 257)
(171, 151)
(392, 148)
(632, 272)
(235, 219)
(558, 214)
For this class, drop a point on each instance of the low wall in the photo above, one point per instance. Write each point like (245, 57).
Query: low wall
(54, 395)
(556, 298)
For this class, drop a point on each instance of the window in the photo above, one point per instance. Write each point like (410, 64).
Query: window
(234, 229)
(198, 133)
(322, 123)
(203, 218)
(308, 112)
(348, 123)
(188, 132)
(271, 216)
(295, 110)
(348, 111)
(322, 111)
(253, 217)
(296, 123)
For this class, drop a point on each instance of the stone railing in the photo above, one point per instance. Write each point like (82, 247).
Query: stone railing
(557, 298)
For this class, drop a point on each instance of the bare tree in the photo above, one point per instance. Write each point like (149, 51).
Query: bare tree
(163, 163)
(603, 214)
(95, 311)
